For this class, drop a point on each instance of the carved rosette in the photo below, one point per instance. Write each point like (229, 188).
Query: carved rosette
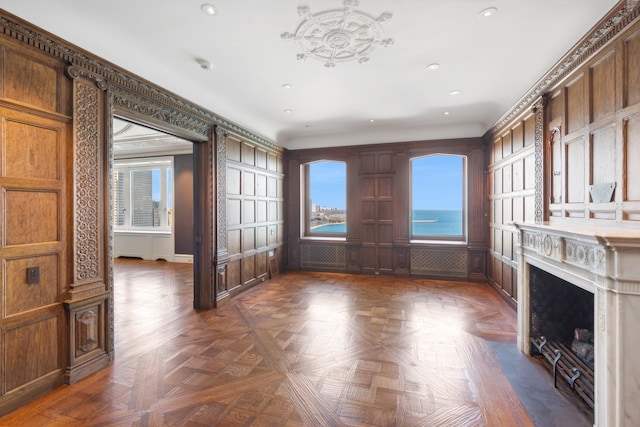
(86, 179)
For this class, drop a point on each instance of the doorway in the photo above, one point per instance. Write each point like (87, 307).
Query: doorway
(152, 181)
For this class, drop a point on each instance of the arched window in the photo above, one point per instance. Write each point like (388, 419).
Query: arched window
(438, 208)
(325, 198)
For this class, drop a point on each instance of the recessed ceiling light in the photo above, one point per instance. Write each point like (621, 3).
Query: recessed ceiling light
(371, 120)
(433, 67)
(205, 65)
(446, 113)
(209, 9)
(286, 86)
(288, 111)
(490, 11)
(455, 92)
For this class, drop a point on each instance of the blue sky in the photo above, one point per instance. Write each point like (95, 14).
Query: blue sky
(155, 186)
(328, 184)
(438, 183)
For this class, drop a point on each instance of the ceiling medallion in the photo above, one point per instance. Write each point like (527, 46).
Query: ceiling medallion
(338, 35)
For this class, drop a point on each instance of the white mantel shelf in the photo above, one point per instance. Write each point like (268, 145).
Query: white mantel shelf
(606, 262)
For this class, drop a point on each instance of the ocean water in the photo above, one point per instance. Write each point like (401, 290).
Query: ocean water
(339, 227)
(448, 223)
(439, 223)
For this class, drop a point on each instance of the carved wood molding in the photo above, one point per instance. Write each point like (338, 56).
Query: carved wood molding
(157, 112)
(95, 69)
(221, 191)
(616, 22)
(87, 165)
(539, 110)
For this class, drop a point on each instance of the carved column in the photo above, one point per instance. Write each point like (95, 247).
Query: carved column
(222, 252)
(88, 304)
(539, 111)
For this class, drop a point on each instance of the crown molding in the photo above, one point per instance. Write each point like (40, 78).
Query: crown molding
(610, 26)
(84, 64)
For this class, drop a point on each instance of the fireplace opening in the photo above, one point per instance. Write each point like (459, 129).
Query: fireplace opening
(561, 331)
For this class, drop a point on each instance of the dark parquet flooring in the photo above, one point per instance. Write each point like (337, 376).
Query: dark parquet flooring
(301, 349)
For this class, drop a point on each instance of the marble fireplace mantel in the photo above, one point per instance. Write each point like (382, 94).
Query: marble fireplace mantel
(605, 262)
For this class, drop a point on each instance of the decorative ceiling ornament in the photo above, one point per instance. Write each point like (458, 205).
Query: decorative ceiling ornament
(338, 35)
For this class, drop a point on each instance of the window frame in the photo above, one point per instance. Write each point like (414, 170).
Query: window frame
(127, 166)
(306, 206)
(441, 238)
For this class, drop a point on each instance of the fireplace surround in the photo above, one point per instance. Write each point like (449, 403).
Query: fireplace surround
(606, 263)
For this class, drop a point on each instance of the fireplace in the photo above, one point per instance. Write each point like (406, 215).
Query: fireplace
(561, 331)
(600, 269)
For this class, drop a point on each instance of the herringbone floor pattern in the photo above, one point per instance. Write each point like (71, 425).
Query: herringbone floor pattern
(302, 349)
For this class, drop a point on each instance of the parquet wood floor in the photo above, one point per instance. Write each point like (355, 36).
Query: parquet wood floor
(302, 349)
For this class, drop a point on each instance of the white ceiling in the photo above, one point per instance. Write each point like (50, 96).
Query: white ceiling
(493, 61)
(132, 140)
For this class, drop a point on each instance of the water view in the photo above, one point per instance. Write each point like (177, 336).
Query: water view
(425, 223)
(437, 223)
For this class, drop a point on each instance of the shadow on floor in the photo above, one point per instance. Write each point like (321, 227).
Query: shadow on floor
(532, 382)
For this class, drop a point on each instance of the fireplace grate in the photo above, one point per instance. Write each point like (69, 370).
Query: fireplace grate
(567, 365)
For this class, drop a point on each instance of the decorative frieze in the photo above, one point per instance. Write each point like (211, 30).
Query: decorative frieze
(158, 112)
(542, 243)
(588, 256)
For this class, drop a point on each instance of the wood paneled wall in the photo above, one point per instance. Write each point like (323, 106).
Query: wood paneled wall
(581, 134)
(378, 239)
(35, 134)
(251, 194)
(511, 188)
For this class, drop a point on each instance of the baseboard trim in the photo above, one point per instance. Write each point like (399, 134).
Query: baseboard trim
(183, 258)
